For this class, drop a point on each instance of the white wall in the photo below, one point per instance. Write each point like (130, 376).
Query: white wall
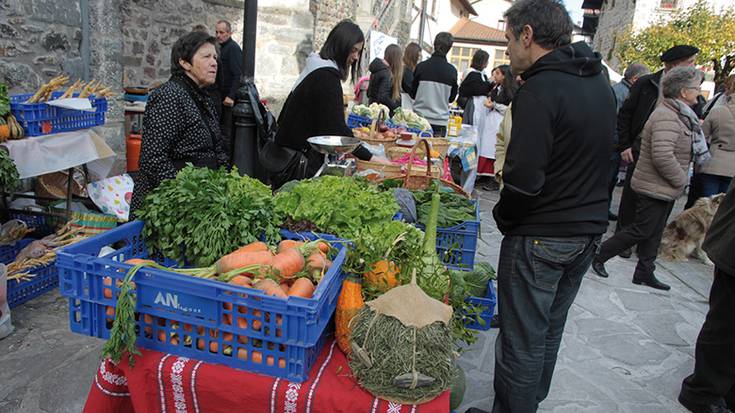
(490, 12)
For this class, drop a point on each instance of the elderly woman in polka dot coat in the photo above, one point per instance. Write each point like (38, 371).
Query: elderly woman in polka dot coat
(181, 122)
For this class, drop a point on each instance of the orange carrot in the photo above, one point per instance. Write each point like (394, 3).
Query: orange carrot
(235, 260)
(323, 246)
(200, 344)
(242, 322)
(110, 311)
(242, 339)
(148, 318)
(257, 357)
(227, 306)
(242, 354)
(254, 247)
(288, 244)
(241, 280)
(227, 336)
(213, 347)
(303, 287)
(270, 287)
(227, 319)
(242, 309)
(281, 363)
(136, 261)
(107, 292)
(270, 360)
(162, 335)
(175, 340)
(288, 263)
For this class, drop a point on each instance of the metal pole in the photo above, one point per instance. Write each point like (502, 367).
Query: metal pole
(85, 48)
(244, 152)
(422, 23)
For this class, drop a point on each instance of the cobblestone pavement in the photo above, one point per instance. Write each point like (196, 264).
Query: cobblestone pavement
(626, 348)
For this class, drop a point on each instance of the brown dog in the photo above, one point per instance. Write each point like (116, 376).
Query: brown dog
(685, 234)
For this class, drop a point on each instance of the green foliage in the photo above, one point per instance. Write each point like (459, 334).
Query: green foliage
(4, 100)
(9, 178)
(699, 26)
(337, 205)
(454, 209)
(204, 214)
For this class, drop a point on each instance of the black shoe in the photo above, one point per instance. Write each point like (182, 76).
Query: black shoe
(703, 408)
(652, 282)
(626, 254)
(598, 267)
(611, 216)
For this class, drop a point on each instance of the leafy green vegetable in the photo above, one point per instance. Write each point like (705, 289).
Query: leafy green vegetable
(476, 280)
(204, 214)
(432, 275)
(394, 241)
(4, 100)
(465, 284)
(9, 178)
(337, 205)
(454, 209)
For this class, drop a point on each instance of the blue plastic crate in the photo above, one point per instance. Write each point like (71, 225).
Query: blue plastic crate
(457, 245)
(356, 121)
(45, 278)
(239, 320)
(487, 303)
(42, 224)
(40, 119)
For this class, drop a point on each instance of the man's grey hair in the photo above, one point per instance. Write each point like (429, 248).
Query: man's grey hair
(549, 19)
(635, 70)
(678, 79)
(227, 24)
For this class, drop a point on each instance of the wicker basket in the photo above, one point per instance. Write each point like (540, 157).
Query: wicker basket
(440, 145)
(387, 171)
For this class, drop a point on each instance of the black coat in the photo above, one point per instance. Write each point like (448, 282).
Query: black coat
(181, 124)
(720, 238)
(407, 80)
(636, 109)
(229, 69)
(555, 172)
(315, 107)
(380, 89)
(474, 84)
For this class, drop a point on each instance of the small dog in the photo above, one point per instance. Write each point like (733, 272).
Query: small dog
(685, 234)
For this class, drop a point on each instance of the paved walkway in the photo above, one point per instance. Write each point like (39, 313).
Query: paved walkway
(626, 348)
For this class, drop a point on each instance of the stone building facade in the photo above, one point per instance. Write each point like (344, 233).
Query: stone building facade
(130, 40)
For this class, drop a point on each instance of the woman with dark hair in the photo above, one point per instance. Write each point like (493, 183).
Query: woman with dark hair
(315, 105)
(475, 83)
(385, 78)
(501, 95)
(181, 124)
(411, 56)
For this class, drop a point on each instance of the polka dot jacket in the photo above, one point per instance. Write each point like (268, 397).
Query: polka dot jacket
(180, 125)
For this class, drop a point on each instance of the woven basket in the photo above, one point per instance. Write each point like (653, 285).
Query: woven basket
(440, 145)
(387, 171)
(412, 180)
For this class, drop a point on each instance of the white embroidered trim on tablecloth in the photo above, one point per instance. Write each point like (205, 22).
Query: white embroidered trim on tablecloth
(112, 378)
(375, 405)
(292, 397)
(394, 407)
(177, 384)
(107, 392)
(160, 383)
(318, 377)
(273, 395)
(193, 386)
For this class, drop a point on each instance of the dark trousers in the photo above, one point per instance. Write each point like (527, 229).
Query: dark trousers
(713, 184)
(614, 169)
(626, 211)
(695, 191)
(226, 125)
(713, 380)
(538, 279)
(645, 231)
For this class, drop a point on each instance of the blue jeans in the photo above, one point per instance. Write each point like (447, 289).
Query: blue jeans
(538, 279)
(713, 184)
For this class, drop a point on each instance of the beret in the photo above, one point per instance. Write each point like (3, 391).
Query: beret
(679, 52)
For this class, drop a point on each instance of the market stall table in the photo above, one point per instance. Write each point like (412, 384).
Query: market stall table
(167, 383)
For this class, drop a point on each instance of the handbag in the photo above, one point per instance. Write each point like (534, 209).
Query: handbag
(280, 164)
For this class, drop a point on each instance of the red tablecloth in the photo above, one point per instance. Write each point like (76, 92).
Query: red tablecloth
(168, 383)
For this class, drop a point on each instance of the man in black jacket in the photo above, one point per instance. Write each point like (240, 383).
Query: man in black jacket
(229, 69)
(711, 388)
(633, 116)
(553, 207)
(435, 85)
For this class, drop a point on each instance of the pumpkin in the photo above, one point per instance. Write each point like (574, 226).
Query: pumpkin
(348, 304)
(4, 130)
(382, 276)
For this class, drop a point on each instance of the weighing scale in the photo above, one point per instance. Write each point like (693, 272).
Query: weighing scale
(333, 147)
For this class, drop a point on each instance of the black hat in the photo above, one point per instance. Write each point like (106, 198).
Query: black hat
(678, 52)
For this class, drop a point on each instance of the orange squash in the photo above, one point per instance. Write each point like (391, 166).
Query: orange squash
(349, 303)
(382, 276)
(4, 130)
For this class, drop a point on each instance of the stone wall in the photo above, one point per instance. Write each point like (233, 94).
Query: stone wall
(616, 16)
(39, 39)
